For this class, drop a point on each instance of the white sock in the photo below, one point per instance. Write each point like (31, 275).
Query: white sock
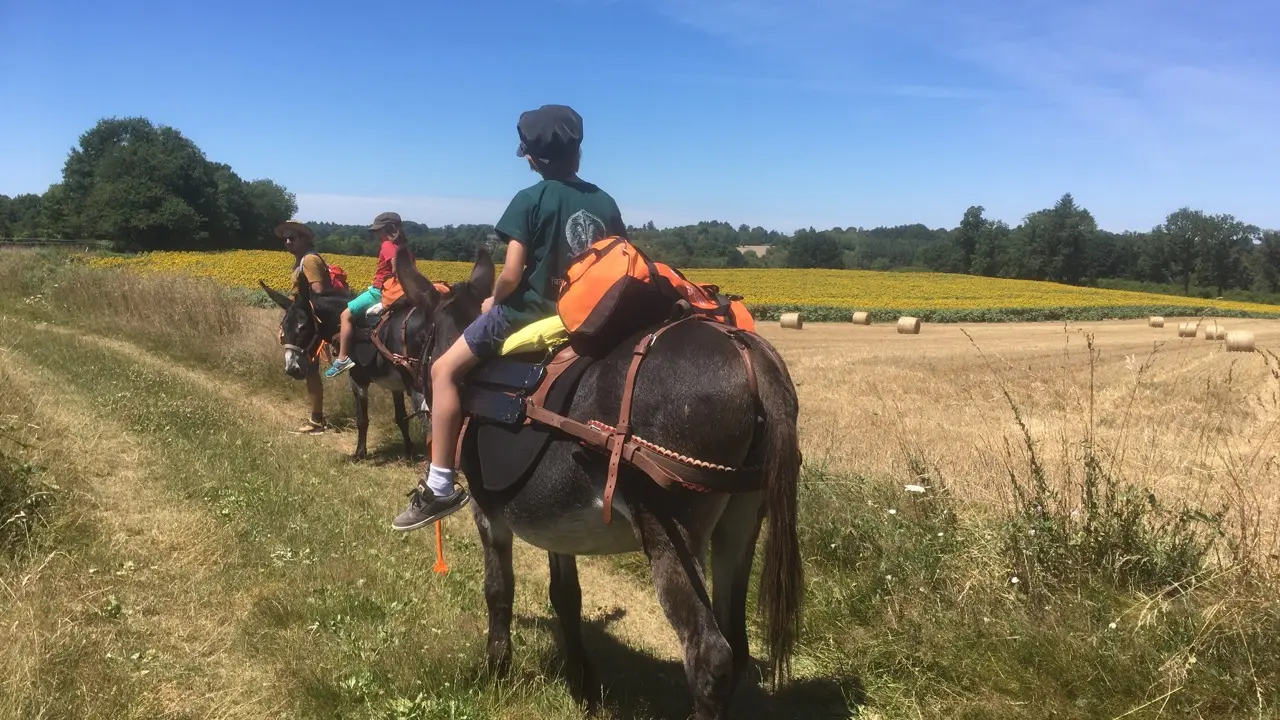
(440, 481)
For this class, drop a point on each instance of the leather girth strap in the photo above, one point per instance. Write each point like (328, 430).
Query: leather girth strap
(621, 446)
(405, 362)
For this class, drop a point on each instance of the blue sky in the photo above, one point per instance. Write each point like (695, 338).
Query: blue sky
(781, 113)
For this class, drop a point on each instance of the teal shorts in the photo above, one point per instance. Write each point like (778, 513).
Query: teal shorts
(365, 300)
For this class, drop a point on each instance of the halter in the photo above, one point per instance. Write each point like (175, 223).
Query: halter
(311, 352)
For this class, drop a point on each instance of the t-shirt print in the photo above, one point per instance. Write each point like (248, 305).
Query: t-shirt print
(581, 231)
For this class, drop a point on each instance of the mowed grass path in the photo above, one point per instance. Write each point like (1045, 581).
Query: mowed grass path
(227, 568)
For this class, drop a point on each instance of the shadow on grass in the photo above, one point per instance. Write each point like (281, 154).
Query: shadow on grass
(389, 450)
(638, 686)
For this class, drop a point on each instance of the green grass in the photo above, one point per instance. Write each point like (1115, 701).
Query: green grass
(1131, 606)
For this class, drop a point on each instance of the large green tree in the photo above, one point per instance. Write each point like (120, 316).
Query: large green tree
(1068, 234)
(141, 186)
(969, 235)
(1223, 253)
(812, 249)
(1267, 262)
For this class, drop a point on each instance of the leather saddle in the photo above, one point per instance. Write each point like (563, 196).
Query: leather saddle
(497, 429)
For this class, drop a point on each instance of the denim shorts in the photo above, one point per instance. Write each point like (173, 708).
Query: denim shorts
(487, 333)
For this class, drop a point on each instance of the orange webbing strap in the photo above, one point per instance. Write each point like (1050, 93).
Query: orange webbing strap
(441, 567)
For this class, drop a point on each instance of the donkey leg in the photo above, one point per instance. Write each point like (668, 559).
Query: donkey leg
(361, 393)
(402, 420)
(678, 577)
(733, 544)
(499, 586)
(566, 598)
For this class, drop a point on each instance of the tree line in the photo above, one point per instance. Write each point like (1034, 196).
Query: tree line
(138, 186)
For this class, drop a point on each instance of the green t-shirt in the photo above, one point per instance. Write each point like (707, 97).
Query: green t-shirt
(555, 220)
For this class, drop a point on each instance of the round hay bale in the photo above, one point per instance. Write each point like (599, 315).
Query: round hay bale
(908, 326)
(1155, 321)
(1188, 329)
(862, 318)
(792, 321)
(1215, 331)
(1239, 341)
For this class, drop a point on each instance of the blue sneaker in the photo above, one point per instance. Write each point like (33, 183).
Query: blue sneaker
(338, 367)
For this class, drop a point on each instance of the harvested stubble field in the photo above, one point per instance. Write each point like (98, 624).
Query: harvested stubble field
(1180, 415)
(176, 552)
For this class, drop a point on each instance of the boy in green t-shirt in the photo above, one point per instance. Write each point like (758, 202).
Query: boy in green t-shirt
(546, 227)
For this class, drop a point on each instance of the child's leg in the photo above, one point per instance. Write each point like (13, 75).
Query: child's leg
(358, 306)
(446, 405)
(482, 339)
(440, 498)
(344, 334)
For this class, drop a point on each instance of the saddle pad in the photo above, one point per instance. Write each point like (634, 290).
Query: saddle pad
(509, 452)
(362, 349)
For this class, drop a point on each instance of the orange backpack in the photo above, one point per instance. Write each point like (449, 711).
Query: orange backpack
(613, 290)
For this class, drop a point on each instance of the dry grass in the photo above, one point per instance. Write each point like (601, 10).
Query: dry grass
(1176, 415)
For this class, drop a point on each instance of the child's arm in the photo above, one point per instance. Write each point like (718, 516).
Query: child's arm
(512, 270)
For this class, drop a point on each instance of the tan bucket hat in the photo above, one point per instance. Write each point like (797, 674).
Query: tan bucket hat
(296, 226)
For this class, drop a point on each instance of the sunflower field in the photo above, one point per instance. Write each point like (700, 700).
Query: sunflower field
(822, 295)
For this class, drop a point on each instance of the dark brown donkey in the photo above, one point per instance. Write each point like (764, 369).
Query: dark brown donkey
(698, 395)
(311, 318)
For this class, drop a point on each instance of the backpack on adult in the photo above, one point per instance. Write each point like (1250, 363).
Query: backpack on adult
(613, 290)
(338, 278)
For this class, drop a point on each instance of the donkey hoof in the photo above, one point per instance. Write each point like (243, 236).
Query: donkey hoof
(359, 455)
(500, 660)
(586, 690)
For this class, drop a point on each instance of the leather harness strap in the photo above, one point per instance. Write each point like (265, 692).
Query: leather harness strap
(406, 363)
(621, 446)
(622, 431)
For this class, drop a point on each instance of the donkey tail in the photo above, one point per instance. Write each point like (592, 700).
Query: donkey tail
(782, 576)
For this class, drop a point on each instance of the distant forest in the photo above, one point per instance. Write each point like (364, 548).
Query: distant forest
(1191, 251)
(136, 186)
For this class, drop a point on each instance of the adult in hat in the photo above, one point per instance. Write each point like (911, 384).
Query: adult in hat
(546, 226)
(307, 264)
(300, 241)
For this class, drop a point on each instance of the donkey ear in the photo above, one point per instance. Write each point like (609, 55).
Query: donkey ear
(276, 296)
(416, 285)
(482, 272)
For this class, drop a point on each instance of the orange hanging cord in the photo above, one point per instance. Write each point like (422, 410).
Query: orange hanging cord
(441, 567)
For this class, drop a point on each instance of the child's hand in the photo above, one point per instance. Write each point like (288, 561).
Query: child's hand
(487, 305)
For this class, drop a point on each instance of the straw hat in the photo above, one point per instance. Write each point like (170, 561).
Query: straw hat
(295, 226)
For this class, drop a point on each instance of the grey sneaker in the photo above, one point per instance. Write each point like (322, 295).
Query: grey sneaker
(425, 508)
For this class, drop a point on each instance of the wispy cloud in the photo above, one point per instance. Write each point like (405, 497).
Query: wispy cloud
(1158, 77)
